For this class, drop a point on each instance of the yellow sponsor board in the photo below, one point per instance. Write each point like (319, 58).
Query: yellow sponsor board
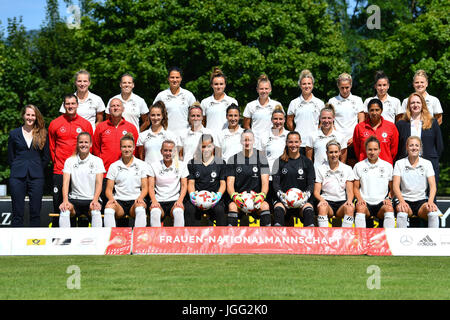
(35, 242)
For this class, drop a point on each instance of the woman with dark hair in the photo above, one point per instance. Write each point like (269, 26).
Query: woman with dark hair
(373, 187)
(177, 101)
(215, 106)
(206, 173)
(229, 139)
(375, 125)
(294, 171)
(417, 121)
(28, 156)
(127, 186)
(82, 184)
(149, 142)
(391, 105)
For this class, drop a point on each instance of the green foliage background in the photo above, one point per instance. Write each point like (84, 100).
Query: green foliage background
(243, 37)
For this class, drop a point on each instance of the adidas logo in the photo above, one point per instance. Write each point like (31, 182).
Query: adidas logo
(427, 242)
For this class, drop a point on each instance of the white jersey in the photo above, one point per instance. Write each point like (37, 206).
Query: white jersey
(391, 107)
(189, 141)
(167, 179)
(374, 179)
(215, 112)
(273, 146)
(88, 108)
(433, 104)
(127, 180)
(133, 108)
(177, 107)
(306, 115)
(261, 116)
(414, 181)
(318, 142)
(82, 175)
(152, 143)
(334, 181)
(347, 111)
(229, 142)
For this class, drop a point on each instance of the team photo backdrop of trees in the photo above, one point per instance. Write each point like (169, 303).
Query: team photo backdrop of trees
(243, 37)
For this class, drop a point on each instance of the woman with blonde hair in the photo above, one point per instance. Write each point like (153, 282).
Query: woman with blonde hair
(215, 106)
(303, 112)
(28, 156)
(412, 177)
(420, 84)
(417, 121)
(258, 113)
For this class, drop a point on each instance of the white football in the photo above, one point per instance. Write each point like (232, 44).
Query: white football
(248, 198)
(204, 200)
(295, 198)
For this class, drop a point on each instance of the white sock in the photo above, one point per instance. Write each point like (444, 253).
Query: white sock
(360, 220)
(96, 219)
(389, 220)
(433, 219)
(64, 219)
(322, 221)
(110, 218)
(402, 220)
(178, 217)
(155, 217)
(347, 222)
(141, 217)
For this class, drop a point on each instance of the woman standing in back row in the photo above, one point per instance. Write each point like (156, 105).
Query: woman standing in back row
(303, 112)
(258, 113)
(215, 107)
(177, 101)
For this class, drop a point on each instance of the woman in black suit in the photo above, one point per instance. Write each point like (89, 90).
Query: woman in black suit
(417, 121)
(28, 155)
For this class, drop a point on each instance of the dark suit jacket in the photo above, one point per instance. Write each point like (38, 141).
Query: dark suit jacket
(431, 140)
(24, 160)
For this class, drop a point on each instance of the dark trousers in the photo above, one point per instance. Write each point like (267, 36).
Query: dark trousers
(21, 187)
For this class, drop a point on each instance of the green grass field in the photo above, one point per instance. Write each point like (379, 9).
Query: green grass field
(224, 277)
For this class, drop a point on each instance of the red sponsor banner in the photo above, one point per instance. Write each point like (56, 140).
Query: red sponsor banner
(377, 242)
(250, 240)
(120, 241)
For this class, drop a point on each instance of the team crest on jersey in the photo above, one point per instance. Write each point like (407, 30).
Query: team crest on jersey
(124, 132)
(78, 130)
(239, 169)
(365, 170)
(75, 165)
(107, 132)
(300, 171)
(284, 171)
(213, 174)
(197, 174)
(255, 169)
(366, 133)
(62, 129)
(384, 134)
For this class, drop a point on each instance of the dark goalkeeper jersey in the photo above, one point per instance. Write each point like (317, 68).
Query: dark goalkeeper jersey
(295, 173)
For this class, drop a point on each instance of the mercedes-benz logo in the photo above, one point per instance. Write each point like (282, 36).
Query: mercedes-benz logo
(406, 240)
